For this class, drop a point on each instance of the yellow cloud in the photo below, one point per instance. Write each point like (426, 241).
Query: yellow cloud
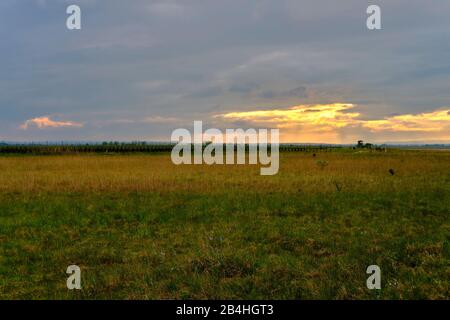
(320, 114)
(46, 122)
(335, 123)
(426, 122)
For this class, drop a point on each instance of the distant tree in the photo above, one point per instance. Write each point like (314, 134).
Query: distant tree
(360, 144)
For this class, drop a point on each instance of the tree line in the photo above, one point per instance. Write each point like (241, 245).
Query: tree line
(124, 147)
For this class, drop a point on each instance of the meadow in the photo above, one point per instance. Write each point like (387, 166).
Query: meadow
(142, 228)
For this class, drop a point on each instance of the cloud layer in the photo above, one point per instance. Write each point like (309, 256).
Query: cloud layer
(175, 61)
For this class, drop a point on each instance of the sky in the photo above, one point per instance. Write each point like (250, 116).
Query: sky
(139, 69)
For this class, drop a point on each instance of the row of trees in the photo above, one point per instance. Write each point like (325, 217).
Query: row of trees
(85, 148)
(117, 147)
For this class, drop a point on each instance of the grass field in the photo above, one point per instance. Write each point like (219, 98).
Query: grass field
(141, 227)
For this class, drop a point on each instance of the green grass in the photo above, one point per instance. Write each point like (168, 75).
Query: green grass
(140, 227)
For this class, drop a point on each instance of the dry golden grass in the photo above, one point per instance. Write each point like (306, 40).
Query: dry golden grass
(298, 172)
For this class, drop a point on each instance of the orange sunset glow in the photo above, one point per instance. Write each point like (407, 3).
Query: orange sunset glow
(339, 123)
